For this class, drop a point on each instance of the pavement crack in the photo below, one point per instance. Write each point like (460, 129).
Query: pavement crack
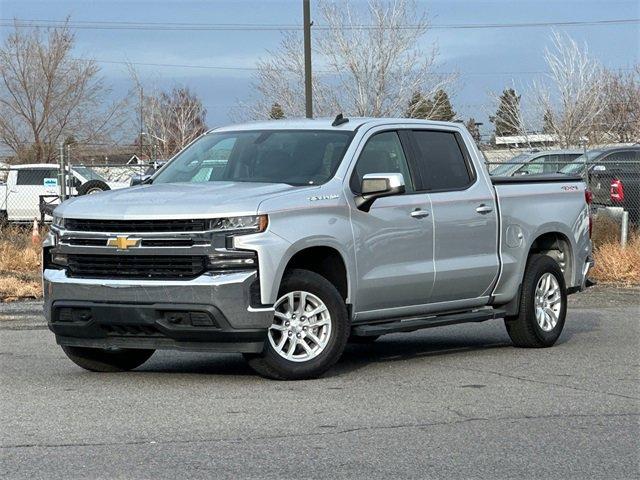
(541, 382)
(320, 433)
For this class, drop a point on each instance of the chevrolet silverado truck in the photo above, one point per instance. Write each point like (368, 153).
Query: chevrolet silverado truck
(285, 240)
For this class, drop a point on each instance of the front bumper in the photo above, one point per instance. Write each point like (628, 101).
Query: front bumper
(210, 313)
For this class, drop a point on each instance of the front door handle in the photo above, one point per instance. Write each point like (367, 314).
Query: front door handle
(419, 213)
(482, 209)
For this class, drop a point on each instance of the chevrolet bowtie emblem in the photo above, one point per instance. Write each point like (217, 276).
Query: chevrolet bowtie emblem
(122, 242)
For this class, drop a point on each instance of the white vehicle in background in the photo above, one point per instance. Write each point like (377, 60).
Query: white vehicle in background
(25, 184)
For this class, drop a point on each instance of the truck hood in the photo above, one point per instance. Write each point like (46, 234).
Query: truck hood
(173, 201)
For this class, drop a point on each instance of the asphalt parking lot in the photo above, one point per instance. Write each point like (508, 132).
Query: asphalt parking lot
(453, 402)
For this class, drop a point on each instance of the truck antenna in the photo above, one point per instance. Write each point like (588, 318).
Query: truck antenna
(339, 120)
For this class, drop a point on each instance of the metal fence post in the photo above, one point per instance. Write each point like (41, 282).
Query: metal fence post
(624, 228)
(61, 172)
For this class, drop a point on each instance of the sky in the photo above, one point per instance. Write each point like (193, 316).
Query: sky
(486, 60)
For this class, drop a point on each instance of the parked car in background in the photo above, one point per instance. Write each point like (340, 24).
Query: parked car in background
(20, 196)
(536, 162)
(613, 175)
(284, 240)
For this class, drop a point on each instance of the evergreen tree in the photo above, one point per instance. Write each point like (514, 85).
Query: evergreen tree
(507, 118)
(419, 106)
(442, 110)
(276, 112)
(472, 126)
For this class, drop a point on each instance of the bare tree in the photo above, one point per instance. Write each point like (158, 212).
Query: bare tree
(571, 97)
(46, 95)
(364, 70)
(619, 120)
(280, 79)
(172, 119)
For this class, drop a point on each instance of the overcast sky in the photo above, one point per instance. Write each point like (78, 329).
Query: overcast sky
(481, 56)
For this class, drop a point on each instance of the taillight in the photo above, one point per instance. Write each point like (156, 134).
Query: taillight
(588, 196)
(616, 192)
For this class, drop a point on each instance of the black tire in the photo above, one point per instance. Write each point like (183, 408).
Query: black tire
(270, 364)
(363, 340)
(4, 218)
(101, 360)
(524, 329)
(93, 186)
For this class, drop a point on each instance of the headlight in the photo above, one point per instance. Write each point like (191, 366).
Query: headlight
(58, 221)
(248, 224)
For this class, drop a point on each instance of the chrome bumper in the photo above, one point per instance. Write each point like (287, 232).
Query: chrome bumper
(137, 313)
(588, 265)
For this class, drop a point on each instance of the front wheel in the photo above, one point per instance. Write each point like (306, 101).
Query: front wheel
(543, 305)
(309, 330)
(107, 360)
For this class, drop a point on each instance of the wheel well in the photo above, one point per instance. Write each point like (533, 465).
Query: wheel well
(325, 261)
(557, 246)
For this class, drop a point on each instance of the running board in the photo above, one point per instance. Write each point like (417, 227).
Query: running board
(416, 323)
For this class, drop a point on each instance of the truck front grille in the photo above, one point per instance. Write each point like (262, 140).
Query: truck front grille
(136, 226)
(157, 267)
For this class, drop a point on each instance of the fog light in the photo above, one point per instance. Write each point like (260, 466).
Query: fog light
(233, 260)
(59, 259)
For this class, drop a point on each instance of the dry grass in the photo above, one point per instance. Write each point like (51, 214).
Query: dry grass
(617, 265)
(614, 264)
(19, 265)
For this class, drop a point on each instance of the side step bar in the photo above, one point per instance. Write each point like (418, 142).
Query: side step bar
(416, 323)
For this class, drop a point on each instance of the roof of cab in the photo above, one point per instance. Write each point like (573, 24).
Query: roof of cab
(326, 124)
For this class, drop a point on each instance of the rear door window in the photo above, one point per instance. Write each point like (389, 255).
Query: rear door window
(441, 161)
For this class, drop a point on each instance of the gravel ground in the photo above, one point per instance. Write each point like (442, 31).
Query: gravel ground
(454, 402)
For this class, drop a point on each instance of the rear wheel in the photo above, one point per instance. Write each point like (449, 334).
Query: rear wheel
(309, 330)
(543, 305)
(107, 360)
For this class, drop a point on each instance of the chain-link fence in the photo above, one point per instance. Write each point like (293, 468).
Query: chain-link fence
(31, 192)
(612, 176)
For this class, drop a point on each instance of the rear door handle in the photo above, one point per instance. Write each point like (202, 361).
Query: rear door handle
(419, 213)
(482, 209)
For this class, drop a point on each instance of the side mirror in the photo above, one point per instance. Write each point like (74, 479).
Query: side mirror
(378, 185)
(599, 168)
(139, 179)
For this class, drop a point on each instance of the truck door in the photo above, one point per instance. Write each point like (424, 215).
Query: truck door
(23, 197)
(464, 214)
(394, 240)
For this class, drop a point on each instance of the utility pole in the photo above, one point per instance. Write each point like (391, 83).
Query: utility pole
(306, 18)
(141, 120)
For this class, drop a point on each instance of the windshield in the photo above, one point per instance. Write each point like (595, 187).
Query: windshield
(88, 174)
(507, 167)
(578, 164)
(296, 157)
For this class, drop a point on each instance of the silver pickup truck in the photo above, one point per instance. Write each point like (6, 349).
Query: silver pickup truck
(285, 240)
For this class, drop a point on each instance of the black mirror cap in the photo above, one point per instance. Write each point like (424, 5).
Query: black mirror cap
(378, 185)
(138, 179)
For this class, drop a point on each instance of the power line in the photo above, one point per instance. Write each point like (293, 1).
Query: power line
(176, 26)
(217, 67)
